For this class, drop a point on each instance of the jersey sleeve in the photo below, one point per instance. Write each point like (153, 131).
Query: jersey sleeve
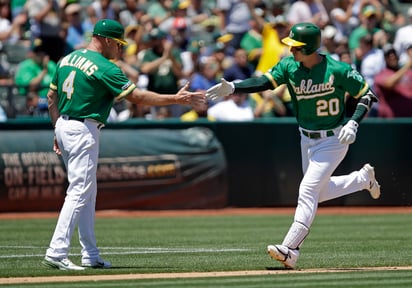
(278, 73)
(117, 83)
(356, 84)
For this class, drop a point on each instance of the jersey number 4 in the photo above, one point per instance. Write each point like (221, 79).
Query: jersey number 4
(327, 107)
(68, 87)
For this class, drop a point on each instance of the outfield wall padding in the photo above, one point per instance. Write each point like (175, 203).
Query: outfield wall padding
(261, 159)
(138, 169)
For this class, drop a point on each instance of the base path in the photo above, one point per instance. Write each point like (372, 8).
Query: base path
(224, 211)
(86, 278)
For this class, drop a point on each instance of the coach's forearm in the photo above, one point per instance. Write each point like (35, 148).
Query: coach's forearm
(152, 98)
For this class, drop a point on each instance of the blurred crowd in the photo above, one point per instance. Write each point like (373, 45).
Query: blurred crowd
(171, 42)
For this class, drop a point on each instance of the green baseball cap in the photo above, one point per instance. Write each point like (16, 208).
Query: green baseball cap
(110, 29)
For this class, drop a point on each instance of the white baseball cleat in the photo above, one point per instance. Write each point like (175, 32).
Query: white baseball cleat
(99, 263)
(283, 254)
(374, 187)
(61, 264)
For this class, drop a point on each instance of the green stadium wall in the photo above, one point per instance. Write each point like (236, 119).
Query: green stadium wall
(222, 164)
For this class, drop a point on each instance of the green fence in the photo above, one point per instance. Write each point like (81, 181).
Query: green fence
(263, 157)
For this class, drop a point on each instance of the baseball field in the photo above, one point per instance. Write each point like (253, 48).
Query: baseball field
(347, 247)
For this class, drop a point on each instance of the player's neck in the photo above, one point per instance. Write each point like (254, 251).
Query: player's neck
(312, 60)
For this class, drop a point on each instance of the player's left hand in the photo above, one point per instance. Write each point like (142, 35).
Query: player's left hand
(347, 134)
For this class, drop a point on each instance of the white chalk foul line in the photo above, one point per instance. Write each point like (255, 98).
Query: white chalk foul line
(124, 251)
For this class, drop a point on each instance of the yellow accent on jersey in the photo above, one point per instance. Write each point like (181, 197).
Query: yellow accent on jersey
(53, 87)
(126, 92)
(362, 91)
(270, 78)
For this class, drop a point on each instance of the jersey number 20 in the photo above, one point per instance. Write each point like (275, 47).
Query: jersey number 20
(327, 107)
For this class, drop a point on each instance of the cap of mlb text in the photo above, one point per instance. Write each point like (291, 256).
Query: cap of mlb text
(110, 29)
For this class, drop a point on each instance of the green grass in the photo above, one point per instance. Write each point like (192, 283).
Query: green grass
(221, 243)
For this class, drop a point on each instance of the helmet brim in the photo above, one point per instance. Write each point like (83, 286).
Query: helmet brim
(291, 42)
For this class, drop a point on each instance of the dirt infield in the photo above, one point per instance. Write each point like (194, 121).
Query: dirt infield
(225, 211)
(188, 213)
(86, 278)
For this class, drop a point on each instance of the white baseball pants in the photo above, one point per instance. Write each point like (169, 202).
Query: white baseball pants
(79, 143)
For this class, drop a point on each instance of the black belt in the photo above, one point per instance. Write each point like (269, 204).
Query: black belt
(66, 117)
(317, 135)
(75, 118)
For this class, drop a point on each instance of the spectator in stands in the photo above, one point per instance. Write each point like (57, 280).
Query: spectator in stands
(343, 19)
(33, 77)
(163, 65)
(199, 11)
(178, 19)
(234, 19)
(370, 19)
(102, 9)
(79, 32)
(328, 43)
(403, 39)
(236, 107)
(130, 14)
(271, 32)
(372, 59)
(270, 103)
(45, 18)
(393, 85)
(308, 11)
(240, 69)
(392, 17)
(10, 31)
(252, 41)
(205, 76)
(159, 11)
(17, 7)
(371, 63)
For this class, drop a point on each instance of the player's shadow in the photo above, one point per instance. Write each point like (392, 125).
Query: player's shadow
(278, 268)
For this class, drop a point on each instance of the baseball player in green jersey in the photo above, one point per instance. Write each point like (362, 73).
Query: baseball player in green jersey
(80, 97)
(317, 84)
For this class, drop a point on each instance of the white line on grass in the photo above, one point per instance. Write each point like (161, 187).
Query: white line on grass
(128, 250)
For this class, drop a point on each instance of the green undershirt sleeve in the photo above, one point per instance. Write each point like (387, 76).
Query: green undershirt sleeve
(254, 84)
(359, 113)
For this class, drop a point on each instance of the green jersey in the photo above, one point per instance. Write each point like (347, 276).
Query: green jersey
(318, 94)
(87, 84)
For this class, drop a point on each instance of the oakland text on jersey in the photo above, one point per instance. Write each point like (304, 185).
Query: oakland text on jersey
(308, 90)
(81, 63)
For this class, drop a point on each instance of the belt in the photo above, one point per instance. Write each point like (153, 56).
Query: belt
(66, 117)
(75, 118)
(317, 135)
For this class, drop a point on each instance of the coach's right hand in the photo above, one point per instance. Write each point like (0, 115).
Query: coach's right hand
(220, 90)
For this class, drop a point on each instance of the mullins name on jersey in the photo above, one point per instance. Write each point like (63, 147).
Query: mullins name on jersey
(81, 63)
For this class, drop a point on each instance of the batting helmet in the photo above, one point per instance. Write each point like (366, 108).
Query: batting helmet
(305, 35)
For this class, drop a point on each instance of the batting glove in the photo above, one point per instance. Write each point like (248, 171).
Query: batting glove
(347, 134)
(220, 90)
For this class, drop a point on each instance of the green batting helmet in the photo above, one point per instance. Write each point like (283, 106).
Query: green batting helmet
(305, 35)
